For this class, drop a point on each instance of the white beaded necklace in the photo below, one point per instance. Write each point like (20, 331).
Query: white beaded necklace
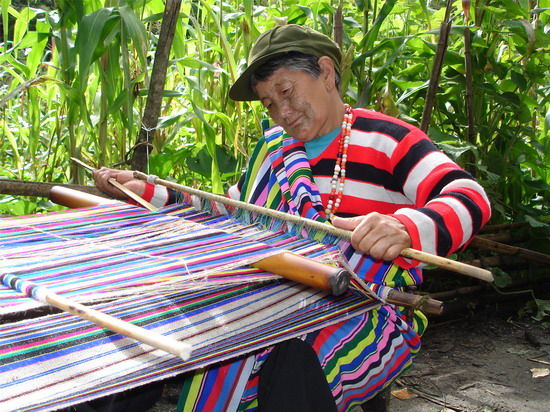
(339, 176)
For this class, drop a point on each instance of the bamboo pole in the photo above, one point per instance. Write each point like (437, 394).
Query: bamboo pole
(60, 193)
(458, 267)
(528, 254)
(149, 337)
(469, 87)
(436, 68)
(15, 187)
(339, 25)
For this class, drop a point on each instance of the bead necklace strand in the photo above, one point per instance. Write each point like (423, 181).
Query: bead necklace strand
(339, 176)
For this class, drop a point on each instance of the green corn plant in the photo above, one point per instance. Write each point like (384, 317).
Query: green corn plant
(81, 92)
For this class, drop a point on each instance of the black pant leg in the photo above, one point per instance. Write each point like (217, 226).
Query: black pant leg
(291, 379)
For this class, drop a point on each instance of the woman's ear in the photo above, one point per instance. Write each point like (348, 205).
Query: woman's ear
(327, 72)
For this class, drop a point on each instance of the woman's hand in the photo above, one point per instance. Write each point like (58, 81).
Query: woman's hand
(103, 175)
(380, 236)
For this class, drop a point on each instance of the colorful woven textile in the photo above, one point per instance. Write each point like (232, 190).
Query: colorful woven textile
(179, 272)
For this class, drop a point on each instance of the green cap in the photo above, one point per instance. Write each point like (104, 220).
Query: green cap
(280, 40)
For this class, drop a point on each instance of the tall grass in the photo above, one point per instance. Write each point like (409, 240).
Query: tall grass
(74, 80)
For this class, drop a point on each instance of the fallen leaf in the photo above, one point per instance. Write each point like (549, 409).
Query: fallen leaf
(403, 394)
(540, 372)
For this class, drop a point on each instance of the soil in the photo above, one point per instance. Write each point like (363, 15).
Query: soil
(481, 362)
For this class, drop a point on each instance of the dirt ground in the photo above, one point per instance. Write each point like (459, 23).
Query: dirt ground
(483, 362)
(480, 362)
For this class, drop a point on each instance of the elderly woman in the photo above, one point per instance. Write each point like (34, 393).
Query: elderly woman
(365, 171)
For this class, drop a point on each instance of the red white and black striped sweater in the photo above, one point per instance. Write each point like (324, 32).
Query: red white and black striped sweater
(394, 168)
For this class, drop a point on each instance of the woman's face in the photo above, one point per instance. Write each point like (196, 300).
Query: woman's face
(299, 103)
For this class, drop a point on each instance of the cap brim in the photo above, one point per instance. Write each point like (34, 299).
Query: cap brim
(242, 89)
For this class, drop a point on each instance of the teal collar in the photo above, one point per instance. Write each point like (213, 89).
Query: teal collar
(316, 146)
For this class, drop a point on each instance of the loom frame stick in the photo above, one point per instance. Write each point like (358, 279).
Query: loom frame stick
(149, 337)
(73, 198)
(409, 300)
(424, 257)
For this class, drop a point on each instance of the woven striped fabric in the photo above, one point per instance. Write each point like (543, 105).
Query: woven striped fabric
(293, 176)
(360, 357)
(110, 250)
(179, 272)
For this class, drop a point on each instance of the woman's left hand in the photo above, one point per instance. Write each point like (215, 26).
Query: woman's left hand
(380, 236)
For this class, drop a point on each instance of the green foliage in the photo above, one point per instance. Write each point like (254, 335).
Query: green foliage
(10, 205)
(75, 75)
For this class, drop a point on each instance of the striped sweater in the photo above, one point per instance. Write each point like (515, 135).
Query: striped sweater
(394, 168)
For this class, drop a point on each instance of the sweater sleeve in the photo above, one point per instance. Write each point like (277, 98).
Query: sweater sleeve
(449, 205)
(160, 196)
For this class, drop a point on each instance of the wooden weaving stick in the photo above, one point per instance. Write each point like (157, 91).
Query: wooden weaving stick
(73, 198)
(150, 337)
(453, 265)
(120, 187)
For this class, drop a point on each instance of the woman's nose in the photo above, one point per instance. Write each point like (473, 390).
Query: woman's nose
(285, 109)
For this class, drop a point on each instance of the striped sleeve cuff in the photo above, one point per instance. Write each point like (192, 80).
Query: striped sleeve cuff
(157, 195)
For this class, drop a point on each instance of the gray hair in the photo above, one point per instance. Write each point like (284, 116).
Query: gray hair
(292, 61)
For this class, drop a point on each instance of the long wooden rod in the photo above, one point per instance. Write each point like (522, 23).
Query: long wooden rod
(452, 265)
(28, 188)
(69, 197)
(149, 337)
(424, 303)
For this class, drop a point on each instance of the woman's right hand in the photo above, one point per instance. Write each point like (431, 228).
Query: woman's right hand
(102, 176)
